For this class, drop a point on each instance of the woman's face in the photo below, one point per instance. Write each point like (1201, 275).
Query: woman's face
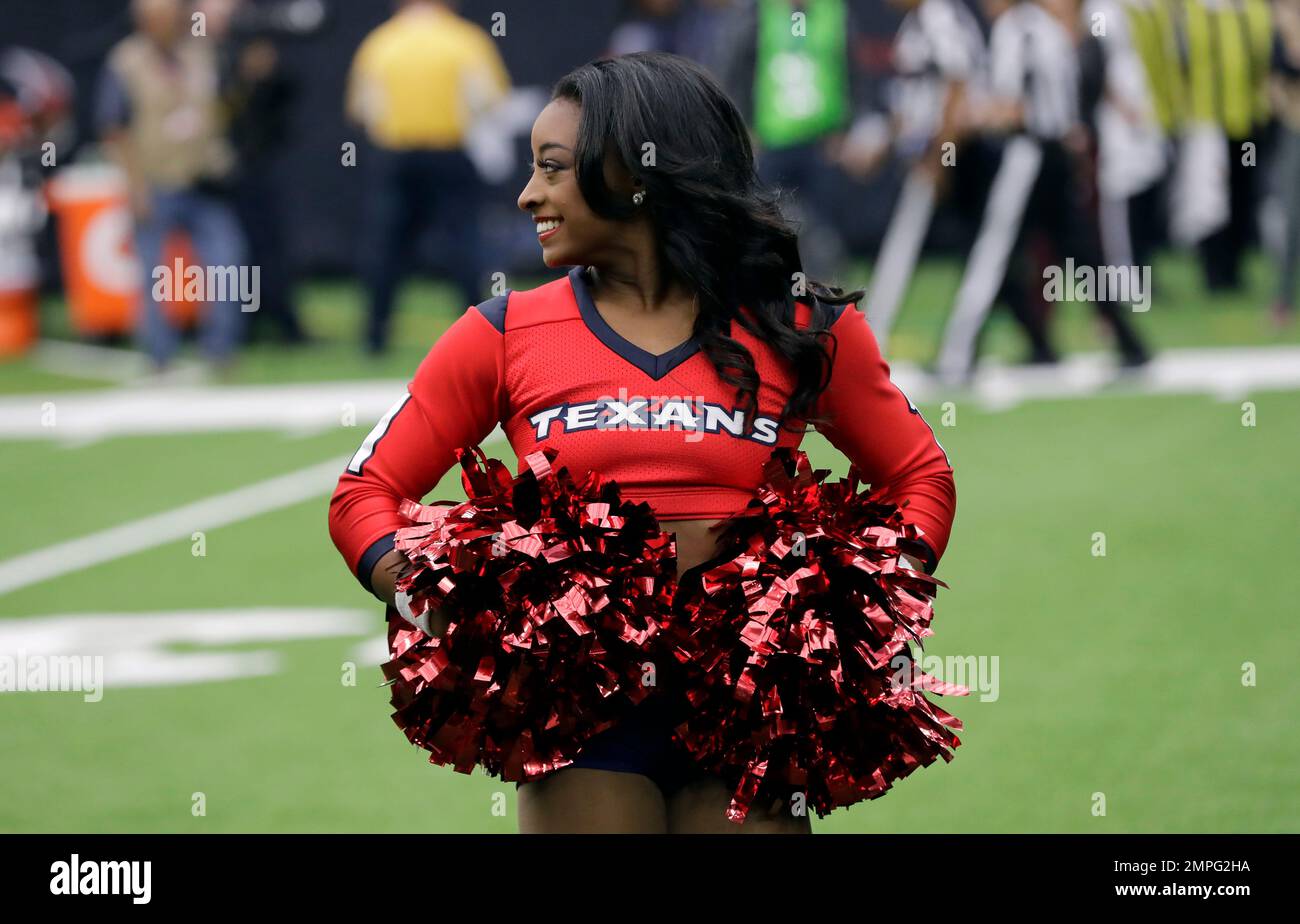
(581, 237)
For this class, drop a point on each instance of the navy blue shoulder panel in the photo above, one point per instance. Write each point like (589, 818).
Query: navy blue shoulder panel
(829, 313)
(494, 309)
(835, 311)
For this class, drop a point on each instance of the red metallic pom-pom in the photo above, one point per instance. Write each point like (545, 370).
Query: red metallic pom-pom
(795, 649)
(553, 588)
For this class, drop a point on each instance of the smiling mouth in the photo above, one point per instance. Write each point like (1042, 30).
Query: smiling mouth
(547, 227)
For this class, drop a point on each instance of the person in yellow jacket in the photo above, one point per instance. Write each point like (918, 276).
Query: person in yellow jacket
(416, 85)
(1227, 51)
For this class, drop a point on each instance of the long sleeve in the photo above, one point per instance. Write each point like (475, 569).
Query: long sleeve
(881, 432)
(1007, 64)
(456, 398)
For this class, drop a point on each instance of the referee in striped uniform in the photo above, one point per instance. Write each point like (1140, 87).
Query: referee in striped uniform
(1035, 100)
(939, 61)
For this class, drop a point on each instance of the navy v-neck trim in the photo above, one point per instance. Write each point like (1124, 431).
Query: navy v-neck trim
(655, 365)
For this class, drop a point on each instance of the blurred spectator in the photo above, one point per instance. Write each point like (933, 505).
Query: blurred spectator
(695, 30)
(1229, 45)
(259, 96)
(416, 83)
(939, 63)
(1035, 99)
(1286, 100)
(158, 112)
(1134, 117)
(789, 72)
(35, 101)
(35, 104)
(939, 59)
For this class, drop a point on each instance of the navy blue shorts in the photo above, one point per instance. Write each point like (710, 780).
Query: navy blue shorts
(643, 741)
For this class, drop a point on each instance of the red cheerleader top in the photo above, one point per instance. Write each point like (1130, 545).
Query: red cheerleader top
(547, 367)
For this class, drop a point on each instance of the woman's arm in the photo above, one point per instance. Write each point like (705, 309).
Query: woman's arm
(383, 583)
(456, 398)
(881, 432)
(383, 577)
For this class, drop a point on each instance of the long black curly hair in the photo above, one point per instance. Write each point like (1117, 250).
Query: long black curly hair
(719, 230)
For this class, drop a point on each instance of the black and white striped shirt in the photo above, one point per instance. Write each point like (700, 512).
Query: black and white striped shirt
(1033, 59)
(937, 42)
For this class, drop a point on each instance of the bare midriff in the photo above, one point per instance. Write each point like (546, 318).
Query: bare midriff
(695, 543)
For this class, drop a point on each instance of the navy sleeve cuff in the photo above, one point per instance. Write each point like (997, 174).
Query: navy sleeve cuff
(378, 549)
(931, 559)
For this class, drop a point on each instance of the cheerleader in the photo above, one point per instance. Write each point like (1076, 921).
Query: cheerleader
(682, 347)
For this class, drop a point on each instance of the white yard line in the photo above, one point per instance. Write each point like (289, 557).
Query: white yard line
(77, 418)
(169, 526)
(84, 416)
(179, 523)
(114, 651)
(1222, 373)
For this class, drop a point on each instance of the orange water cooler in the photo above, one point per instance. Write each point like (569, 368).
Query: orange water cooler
(21, 215)
(101, 273)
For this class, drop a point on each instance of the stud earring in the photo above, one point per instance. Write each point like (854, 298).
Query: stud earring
(638, 197)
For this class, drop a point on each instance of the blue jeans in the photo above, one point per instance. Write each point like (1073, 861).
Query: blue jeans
(217, 241)
(409, 191)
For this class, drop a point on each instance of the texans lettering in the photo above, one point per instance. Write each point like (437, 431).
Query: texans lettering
(644, 414)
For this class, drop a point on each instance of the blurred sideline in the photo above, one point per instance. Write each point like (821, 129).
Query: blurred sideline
(1224, 373)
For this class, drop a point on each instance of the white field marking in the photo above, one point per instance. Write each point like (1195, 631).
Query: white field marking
(177, 524)
(372, 652)
(83, 417)
(169, 526)
(1223, 373)
(136, 646)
